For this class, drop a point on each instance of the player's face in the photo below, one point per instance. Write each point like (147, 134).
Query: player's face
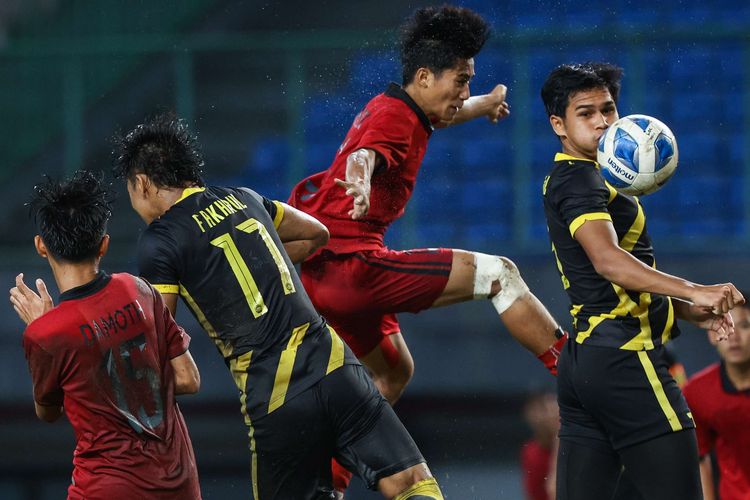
(588, 115)
(448, 91)
(736, 349)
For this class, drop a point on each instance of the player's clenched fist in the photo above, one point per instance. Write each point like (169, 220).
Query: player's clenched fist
(500, 108)
(719, 299)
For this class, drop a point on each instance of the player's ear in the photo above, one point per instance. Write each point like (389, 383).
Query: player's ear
(423, 77)
(141, 183)
(558, 126)
(41, 249)
(103, 246)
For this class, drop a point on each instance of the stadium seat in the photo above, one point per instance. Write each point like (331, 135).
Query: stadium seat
(268, 155)
(372, 71)
(320, 154)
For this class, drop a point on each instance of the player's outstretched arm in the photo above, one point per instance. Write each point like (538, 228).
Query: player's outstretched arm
(492, 105)
(28, 304)
(301, 234)
(599, 240)
(360, 166)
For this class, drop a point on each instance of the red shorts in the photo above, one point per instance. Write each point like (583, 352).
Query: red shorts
(359, 293)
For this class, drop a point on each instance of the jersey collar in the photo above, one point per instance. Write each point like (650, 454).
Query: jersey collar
(395, 90)
(567, 157)
(727, 384)
(188, 191)
(89, 288)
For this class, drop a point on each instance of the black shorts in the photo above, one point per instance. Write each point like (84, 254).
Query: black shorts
(617, 396)
(342, 416)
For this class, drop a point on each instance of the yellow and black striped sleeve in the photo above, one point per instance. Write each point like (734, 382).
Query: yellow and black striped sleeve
(279, 213)
(583, 197)
(158, 258)
(583, 218)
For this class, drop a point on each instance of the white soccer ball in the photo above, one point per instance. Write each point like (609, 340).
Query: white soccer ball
(637, 154)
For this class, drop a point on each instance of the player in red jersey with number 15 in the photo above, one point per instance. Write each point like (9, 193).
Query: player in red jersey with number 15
(109, 356)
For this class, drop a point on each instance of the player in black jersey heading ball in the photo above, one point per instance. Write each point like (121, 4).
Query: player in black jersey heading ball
(229, 253)
(619, 406)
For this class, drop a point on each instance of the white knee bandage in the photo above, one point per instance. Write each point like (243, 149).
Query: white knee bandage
(491, 268)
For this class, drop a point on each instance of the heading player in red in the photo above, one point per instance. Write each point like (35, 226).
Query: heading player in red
(719, 398)
(358, 283)
(109, 356)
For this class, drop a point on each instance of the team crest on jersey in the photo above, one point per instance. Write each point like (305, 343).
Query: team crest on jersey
(360, 118)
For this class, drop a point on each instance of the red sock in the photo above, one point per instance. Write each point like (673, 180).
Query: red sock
(341, 476)
(551, 355)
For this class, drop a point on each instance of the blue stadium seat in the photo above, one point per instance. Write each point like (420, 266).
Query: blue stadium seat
(329, 115)
(372, 71)
(657, 104)
(487, 201)
(696, 107)
(700, 148)
(687, 64)
(486, 236)
(319, 155)
(437, 199)
(268, 155)
(487, 157)
(492, 66)
(437, 234)
(442, 155)
(689, 14)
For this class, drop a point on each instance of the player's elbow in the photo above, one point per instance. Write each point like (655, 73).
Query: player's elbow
(187, 378)
(607, 266)
(48, 414)
(321, 236)
(188, 383)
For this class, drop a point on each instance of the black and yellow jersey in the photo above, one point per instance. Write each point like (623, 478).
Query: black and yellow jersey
(217, 247)
(604, 313)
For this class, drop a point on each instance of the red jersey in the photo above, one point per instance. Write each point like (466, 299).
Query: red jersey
(393, 126)
(103, 353)
(535, 464)
(721, 424)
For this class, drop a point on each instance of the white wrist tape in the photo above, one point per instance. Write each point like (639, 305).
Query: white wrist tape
(491, 268)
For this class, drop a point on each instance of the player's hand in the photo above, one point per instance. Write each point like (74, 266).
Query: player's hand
(360, 191)
(500, 108)
(28, 304)
(717, 299)
(719, 326)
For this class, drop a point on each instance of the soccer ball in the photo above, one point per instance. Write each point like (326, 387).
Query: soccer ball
(637, 154)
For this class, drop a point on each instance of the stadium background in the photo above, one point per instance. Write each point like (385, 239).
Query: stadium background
(271, 88)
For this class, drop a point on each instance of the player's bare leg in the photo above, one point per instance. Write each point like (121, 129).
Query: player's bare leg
(475, 276)
(391, 366)
(416, 482)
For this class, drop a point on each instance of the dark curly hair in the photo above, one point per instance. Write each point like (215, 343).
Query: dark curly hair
(438, 37)
(569, 79)
(162, 148)
(72, 215)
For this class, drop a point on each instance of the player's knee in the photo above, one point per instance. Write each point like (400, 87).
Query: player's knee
(426, 489)
(493, 271)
